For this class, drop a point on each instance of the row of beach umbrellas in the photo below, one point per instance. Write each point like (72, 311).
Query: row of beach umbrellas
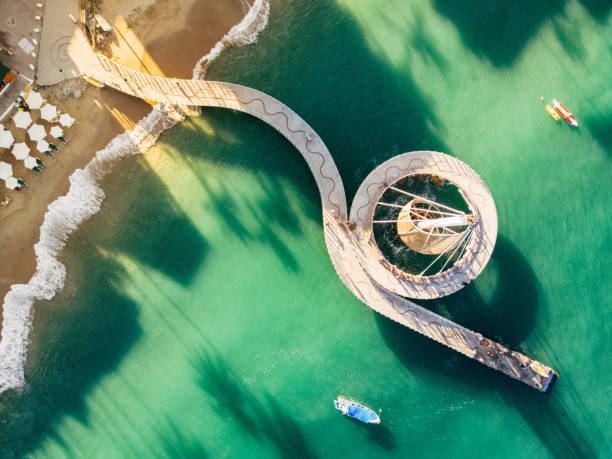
(20, 150)
(48, 111)
(23, 120)
(36, 132)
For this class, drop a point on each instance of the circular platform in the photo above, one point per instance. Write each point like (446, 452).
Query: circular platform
(478, 248)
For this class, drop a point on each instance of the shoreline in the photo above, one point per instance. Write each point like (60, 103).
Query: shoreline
(69, 207)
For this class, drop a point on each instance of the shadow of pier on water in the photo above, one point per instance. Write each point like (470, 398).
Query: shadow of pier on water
(507, 315)
(260, 416)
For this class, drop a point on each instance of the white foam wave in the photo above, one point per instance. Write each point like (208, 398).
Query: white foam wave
(243, 33)
(84, 199)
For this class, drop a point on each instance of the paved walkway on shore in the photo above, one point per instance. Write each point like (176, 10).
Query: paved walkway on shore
(353, 255)
(61, 43)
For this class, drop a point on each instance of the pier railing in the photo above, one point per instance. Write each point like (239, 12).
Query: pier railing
(355, 259)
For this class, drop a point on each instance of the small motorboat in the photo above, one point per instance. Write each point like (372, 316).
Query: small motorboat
(565, 113)
(356, 410)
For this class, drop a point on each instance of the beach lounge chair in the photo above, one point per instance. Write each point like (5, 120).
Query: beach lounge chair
(31, 163)
(58, 133)
(12, 183)
(44, 147)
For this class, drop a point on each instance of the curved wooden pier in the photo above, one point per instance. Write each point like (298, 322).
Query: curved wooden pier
(355, 257)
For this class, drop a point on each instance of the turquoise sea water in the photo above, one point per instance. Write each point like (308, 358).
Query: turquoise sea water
(202, 317)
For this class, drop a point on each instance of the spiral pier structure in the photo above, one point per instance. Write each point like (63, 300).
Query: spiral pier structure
(350, 242)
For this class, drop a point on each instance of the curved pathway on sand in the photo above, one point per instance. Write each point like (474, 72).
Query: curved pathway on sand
(352, 251)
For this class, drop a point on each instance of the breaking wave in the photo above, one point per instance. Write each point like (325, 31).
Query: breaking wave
(84, 199)
(243, 33)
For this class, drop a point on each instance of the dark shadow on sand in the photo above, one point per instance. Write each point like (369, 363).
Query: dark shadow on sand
(509, 316)
(194, 38)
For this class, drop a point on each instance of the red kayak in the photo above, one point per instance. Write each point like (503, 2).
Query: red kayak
(565, 113)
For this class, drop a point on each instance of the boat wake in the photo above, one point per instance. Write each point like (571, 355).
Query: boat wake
(84, 199)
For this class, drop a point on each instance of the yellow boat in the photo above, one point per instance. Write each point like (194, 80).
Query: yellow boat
(552, 112)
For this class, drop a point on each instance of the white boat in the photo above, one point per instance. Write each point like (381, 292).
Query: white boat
(356, 410)
(565, 113)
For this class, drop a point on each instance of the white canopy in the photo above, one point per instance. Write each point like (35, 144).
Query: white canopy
(457, 220)
(57, 131)
(37, 132)
(48, 112)
(20, 151)
(42, 146)
(6, 170)
(66, 120)
(6, 139)
(34, 99)
(22, 119)
(12, 183)
(30, 162)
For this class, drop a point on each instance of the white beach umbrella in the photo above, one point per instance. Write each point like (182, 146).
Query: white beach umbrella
(6, 170)
(6, 139)
(57, 131)
(66, 120)
(12, 183)
(42, 146)
(22, 119)
(48, 112)
(30, 162)
(37, 132)
(34, 100)
(20, 151)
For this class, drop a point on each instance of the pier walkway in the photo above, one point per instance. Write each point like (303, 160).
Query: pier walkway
(352, 251)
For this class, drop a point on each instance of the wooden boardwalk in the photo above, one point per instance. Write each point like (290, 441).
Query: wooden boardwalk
(355, 258)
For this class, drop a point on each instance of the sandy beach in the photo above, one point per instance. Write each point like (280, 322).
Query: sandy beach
(149, 33)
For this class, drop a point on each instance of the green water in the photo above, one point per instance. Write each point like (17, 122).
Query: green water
(202, 316)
